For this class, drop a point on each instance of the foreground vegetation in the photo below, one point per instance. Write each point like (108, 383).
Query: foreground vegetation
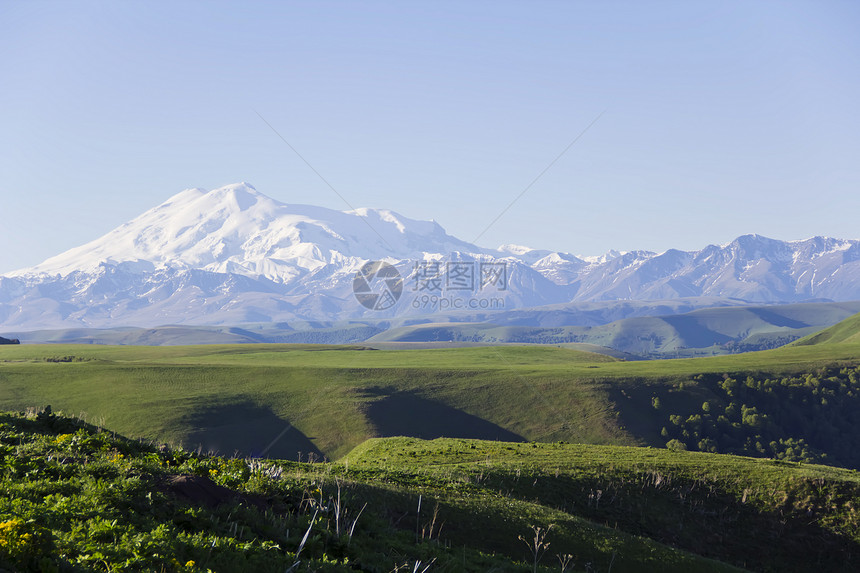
(74, 497)
(77, 498)
(763, 515)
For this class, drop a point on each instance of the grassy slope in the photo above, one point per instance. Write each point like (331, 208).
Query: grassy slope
(86, 500)
(760, 514)
(322, 399)
(845, 332)
(335, 397)
(338, 397)
(78, 499)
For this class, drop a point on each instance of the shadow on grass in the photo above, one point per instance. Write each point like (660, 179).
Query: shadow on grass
(395, 413)
(246, 429)
(698, 516)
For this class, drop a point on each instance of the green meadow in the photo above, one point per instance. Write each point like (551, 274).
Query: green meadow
(280, 400)
(336, 458)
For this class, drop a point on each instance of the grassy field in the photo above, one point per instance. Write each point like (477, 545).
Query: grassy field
(283, 400)
(74, 497)
(242, 397)
(501, 440)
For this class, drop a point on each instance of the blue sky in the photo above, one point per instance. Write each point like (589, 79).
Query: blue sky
(721, 118)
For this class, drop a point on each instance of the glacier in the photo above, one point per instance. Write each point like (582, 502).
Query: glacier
(233, 255)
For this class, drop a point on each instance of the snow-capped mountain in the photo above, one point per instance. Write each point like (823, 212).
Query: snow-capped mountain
(234, 255)
(236, 229)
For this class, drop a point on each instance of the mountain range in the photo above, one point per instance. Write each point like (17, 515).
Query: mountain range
(235, 256)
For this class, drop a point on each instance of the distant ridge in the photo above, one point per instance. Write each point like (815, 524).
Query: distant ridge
(705, 331)
(235, 256)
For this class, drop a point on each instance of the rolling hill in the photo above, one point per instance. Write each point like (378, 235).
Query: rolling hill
(286, 401)
(77, 497)
(846, 331)
(656, 329)
(713, 330)
(454, 454)
(349, 331)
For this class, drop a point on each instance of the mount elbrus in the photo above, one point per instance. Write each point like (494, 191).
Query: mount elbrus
(234, 256)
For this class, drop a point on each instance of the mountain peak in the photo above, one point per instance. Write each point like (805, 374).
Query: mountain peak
(237, 229)
(241, 188)
(241, 196)
(234, 255)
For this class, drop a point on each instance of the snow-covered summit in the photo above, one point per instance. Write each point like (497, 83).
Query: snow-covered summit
(604, 258)
(237, 229)
(235, 256)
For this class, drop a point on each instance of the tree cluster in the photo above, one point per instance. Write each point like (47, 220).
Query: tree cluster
(813, 417)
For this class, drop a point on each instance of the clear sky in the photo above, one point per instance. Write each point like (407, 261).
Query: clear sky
(721, 118)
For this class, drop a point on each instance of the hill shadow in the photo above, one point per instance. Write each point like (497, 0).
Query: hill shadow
(693, 333)
(777, 319)
(397, 413)
(246, 429)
